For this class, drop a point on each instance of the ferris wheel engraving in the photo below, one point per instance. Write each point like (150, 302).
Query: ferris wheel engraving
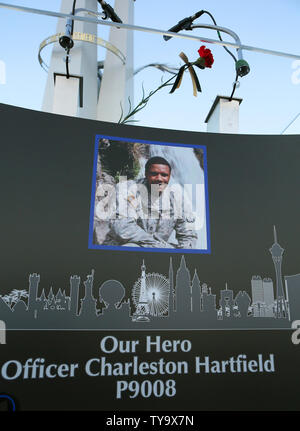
(150, 295)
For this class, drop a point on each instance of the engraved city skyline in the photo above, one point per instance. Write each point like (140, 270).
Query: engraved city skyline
(178, 300)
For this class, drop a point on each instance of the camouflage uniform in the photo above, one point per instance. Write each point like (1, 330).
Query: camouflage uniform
(140, 222)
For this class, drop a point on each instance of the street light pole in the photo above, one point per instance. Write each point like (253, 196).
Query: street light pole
(117, 81)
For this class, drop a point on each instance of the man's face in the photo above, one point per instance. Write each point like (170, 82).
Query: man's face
(160, 175)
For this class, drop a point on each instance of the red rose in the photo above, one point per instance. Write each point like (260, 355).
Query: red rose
(207, 55)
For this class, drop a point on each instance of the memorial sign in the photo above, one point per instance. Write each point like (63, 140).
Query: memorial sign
(151, 269)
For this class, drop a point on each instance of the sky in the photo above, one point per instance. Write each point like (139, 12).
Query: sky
(270, 92)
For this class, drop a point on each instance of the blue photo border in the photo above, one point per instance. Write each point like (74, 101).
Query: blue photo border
(147, 249)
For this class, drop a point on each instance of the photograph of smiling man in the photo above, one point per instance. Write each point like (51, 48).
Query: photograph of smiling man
(149, 196)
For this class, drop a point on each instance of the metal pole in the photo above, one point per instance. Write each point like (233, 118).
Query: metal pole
(116, 90)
